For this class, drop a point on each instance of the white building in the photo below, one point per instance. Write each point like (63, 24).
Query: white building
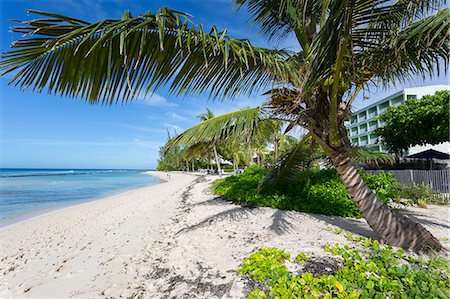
(364, 121)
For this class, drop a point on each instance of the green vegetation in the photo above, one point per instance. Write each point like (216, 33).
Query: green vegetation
(240, 137)
(385, 185)
(418, 122)
(313, 191)
(365, 270)
(316, 191)
(266, 265)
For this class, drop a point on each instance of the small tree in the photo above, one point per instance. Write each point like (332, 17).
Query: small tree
(418, 122)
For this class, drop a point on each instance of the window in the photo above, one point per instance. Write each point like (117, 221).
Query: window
(384, 106)
(363, 141)
(373, 112)
(355, 141)
(354, 131)
(362, 116)
(363, 128)
(397, 101)
(354, 119)
(373, 125)
(411, 97)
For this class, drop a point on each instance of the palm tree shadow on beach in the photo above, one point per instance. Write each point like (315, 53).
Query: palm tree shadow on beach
(420, 218)
(351, 225)
(282, 221)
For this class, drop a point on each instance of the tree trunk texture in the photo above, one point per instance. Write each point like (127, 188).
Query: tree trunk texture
(216, 156)
(392, 228)
(275, 145)
(250, 154)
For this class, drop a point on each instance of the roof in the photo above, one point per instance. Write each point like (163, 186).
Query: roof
(430, 154)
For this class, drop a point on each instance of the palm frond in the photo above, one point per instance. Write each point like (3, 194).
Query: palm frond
(118, 60)
(414, 50)
(378, 39)
(198, 150)
(289, 165)
(230, 125)
(366, 155)
(278, 18)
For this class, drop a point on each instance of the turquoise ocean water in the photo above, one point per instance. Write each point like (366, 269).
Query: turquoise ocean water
(27, 192)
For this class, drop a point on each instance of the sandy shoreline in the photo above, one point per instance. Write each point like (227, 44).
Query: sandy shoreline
(44, 211)
(171, 240)
(79, 250)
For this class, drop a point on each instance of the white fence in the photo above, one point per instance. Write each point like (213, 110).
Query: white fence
(437, 180)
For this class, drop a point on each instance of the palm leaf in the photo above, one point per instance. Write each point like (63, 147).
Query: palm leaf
(277, 19)
(119, 60)
(230, 125)
(289, 165)
(366, 155)
(414, 50)
(198, 150)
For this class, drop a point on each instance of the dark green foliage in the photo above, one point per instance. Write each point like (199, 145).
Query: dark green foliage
(418, 122)
(171, 160)
(367, 271)
(313, 191)
(384, 184)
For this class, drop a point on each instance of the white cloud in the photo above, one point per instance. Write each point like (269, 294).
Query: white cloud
(174, 127)
(177, 117)
(156, 100)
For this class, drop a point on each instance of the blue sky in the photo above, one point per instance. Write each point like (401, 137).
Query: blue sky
(40, 130)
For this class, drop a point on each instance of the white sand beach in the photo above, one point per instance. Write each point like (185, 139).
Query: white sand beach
(171, 240)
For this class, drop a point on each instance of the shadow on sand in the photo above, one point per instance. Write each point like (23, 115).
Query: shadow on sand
(282, 221)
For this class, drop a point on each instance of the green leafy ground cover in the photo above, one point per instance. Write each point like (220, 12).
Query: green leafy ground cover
(365, 270)
(314, 191)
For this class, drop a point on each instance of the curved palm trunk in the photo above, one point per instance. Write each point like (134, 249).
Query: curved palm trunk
(216, 156)
(391, 227)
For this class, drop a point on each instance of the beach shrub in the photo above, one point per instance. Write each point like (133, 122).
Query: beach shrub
(384, 184)
(416, 193)
(266, 265)
(366, 270)
(313, 191)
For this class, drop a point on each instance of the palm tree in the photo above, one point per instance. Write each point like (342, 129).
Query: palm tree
(204, 117)
(235, 151)
(345, 45)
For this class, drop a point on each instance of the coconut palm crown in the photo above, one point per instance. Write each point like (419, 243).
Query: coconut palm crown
(345, 45)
